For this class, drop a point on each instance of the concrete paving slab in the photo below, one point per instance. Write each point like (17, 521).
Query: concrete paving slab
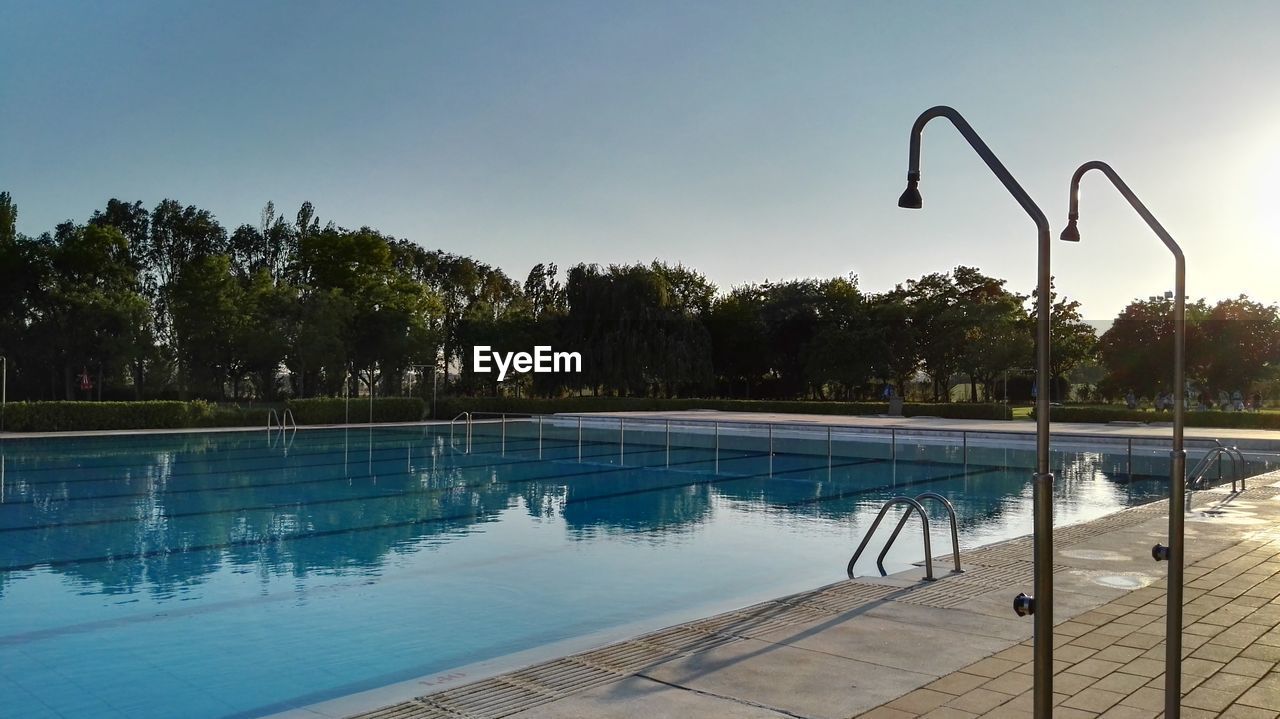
(798, 681)
(1008, 626)
(881, 641)
(640, 697)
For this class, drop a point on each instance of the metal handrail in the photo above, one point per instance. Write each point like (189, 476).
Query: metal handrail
(273, 419)
(890, 432)
(461, 415)
(955, 532)
(287, 419)
(1196, 475)
(1236, 456)
(924, 519)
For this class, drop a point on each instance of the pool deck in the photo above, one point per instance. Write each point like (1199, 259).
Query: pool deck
(1259, 438)
(895, 647)
(1117, 431)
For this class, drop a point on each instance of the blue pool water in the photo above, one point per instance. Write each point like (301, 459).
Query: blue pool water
(236, 575)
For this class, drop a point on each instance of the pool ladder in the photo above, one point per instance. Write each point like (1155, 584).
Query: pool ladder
(466, 416)
(1196, 477)
(917, 505)
(285, 424)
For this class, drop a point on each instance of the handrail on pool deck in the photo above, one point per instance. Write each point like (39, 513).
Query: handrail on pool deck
(462, 415)
(892, 431)
(924, 519)
(955, 532)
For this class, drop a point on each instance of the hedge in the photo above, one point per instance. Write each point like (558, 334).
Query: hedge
(451, 407)
(1196, 418)
(83, 416)
(79, 416)
(333, 410)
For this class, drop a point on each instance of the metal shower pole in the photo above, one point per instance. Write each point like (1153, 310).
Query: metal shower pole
(1041, 605)
(1178, 455)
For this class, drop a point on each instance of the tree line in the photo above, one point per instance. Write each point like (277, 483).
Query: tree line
(167, 303)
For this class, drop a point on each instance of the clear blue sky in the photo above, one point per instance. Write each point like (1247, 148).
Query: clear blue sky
(751, 140)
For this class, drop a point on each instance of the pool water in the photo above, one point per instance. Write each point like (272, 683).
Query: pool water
(238, 574)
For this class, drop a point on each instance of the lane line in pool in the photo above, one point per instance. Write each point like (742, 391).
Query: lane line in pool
(296, 503)
(314, 534)
(301, 482)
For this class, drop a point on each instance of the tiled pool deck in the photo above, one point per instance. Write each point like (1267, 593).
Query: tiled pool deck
(898, 647)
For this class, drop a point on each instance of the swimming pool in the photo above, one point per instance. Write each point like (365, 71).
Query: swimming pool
(238, 574)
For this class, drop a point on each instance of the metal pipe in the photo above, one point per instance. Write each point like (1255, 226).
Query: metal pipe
(717, 448)
(924, 519)
(955, 531)
(668, 443)
(1042, 702)
(1178, 455)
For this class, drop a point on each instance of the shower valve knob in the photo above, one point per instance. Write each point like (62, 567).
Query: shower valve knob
(1024, 605)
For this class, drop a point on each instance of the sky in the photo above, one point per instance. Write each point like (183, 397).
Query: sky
(752, 141)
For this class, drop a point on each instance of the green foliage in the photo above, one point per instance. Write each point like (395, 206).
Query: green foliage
(1230, 346)
(1206, 418)
(452, 407)
(166, 304)
(86, 416)
(333, 410)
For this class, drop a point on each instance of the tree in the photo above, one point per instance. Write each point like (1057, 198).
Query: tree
(1073, 341)
(1137, 350)
(1238, 343)
(206, 301)
(90, 315)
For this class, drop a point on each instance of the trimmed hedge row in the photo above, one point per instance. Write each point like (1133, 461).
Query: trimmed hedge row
(79, 416)
(333, 410)
(451, 407)
(84, 416)
(1203, 418)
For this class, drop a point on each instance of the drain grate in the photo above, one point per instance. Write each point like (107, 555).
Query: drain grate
(488, 699)
(948, 593)
(848, 596)
(409, 710)
(566, 676)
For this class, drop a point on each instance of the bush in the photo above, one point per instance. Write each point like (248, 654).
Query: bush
(333, 410)
(451, 407)
(1201, 418)
(69, 416)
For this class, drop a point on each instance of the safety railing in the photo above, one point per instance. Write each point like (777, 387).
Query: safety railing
(281, 428)
(924, 520)
(463, 416)
(955, 531)
(1129, 455)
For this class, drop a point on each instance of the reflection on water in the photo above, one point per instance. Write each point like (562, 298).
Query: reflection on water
(152, 571)
(165, 511)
